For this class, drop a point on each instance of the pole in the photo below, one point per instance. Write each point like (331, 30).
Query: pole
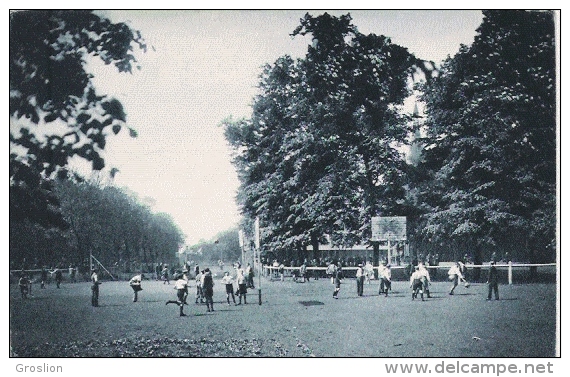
(259, 276)
(389, 254)
(256, 233)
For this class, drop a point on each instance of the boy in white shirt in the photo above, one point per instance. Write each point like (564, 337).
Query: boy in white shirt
(228, 281)
(181, 286)
(385, 276)
(426, 281)
(416, 283)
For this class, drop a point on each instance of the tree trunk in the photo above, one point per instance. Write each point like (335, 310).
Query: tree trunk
(376, 257)
(315, 243)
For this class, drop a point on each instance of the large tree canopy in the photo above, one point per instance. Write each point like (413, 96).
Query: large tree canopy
(491, 136)
(55, 111)
(320, 153)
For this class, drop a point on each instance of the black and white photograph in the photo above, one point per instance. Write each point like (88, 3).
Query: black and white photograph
(285, 184)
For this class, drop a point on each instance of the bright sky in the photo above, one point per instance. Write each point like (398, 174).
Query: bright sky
(204, 68)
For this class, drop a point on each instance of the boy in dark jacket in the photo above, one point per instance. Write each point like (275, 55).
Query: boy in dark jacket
(493, 281)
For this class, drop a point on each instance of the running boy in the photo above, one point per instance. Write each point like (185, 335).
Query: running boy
(181, 286)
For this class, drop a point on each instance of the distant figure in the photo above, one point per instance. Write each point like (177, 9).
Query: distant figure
(158, 271)
(493, 281)
(23, 283)
(196, 270)
(165, 275)
(135, 284)
(94, 287)
(71, 273)
(368, 272)
(281, 271)
(303, 272)
(44, 277)
(249, 276)
(58, 277)
(275, 270)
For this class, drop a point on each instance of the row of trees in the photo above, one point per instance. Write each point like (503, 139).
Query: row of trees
(113, 225)
(324, 149)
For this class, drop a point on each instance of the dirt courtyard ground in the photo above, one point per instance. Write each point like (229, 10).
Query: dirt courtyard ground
(294, 320)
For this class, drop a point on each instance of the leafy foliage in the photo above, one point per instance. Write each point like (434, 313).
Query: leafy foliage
(55, 112)
(112, 224)
(491, 142)
(319, 155)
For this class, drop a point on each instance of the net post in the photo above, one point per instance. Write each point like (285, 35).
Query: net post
(510, 273)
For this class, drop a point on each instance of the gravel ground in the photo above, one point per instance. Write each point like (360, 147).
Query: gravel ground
(294, 320)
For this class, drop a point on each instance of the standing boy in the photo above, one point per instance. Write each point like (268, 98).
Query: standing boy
(228, 281)
(165, 275)
(94, 287)
(23, 283)
(44, 276)
(242, 286)
(385, 276)
(58, 277)
(493, 281)
(208, 289)
(199, 291)
(426, 281)
(360, 280)
(338, 277)
(416, 283)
